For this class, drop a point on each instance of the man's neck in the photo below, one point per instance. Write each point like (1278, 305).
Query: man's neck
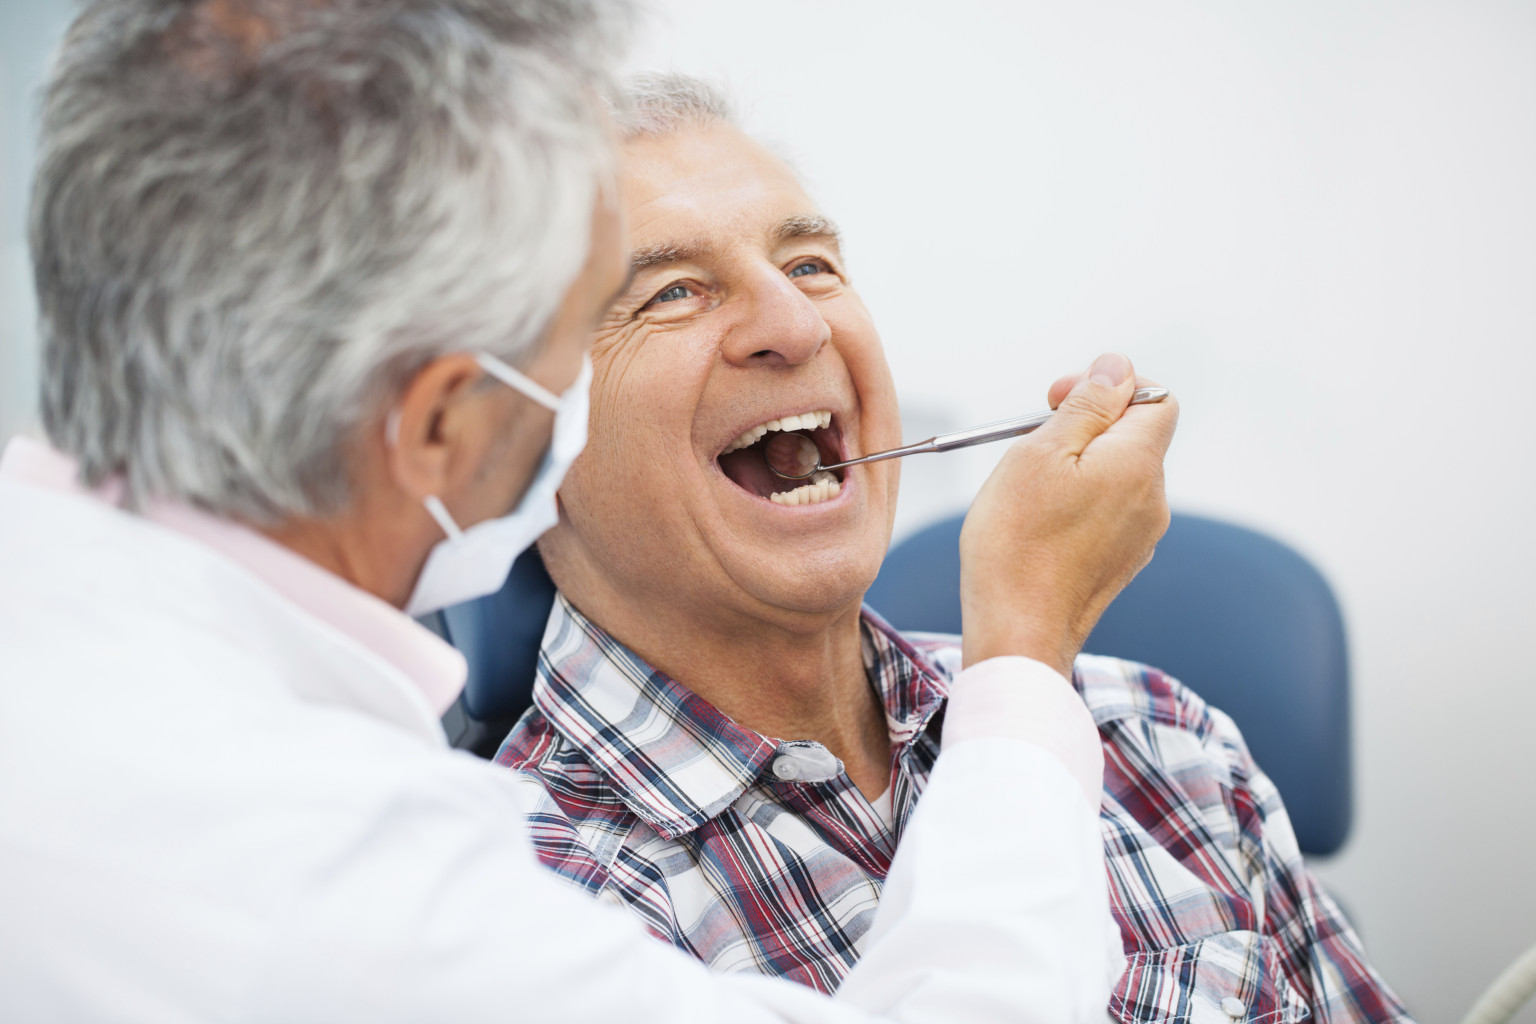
(373, 547)
(787, 684)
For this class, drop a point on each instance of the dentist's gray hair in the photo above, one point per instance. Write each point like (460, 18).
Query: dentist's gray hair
(656, 103)
(254, 220)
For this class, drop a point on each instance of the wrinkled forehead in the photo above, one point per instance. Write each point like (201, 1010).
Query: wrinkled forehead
(711, 186)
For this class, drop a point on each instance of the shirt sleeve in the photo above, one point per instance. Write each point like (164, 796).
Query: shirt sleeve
(993, 911)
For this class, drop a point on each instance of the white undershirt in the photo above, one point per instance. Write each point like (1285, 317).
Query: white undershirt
(881, 805)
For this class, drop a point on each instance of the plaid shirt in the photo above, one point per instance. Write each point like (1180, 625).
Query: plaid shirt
(650, 797)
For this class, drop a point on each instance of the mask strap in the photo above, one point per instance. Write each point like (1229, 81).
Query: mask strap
(440, 513)
(517, 381)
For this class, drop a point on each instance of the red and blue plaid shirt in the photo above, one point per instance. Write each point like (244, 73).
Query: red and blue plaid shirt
(650, 797)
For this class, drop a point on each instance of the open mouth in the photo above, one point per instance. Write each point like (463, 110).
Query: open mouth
(794, 444)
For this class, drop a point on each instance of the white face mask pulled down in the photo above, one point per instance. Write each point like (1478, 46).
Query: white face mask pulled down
(471, 563)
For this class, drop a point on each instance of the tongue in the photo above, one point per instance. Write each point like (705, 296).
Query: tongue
(748, 468)
(794, 453)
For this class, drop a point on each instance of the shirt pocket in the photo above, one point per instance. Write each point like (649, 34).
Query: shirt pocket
(1229, 978)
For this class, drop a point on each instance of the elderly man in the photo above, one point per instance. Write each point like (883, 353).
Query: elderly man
(729, 746)
(286, 254)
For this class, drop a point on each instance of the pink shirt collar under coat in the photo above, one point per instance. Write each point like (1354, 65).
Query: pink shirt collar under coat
(435, 667)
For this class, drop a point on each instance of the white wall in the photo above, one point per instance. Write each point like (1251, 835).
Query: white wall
(29, 30)
(1316, 221)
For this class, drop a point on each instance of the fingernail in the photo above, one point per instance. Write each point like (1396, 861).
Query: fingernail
(1110, 369)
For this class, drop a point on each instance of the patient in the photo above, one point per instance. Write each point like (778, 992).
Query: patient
(727, 744)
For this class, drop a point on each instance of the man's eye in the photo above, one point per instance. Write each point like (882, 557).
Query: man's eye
(672, 294)
(807, 268)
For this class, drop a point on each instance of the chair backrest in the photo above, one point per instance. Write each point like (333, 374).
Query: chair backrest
(1243, 620)
(499, 637)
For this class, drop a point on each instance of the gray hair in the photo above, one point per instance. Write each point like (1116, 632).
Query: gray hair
(657, 103)
(662, 102)
(254, 220)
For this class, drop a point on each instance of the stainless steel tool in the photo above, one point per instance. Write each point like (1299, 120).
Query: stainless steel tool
(965, 438)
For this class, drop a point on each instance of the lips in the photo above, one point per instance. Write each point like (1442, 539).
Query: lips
(743, 461)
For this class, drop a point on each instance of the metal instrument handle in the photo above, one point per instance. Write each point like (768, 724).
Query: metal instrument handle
(1022, 425)
(985, 433)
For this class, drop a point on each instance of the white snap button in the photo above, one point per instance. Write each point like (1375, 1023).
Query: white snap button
(786, 768)
(1233, 1007)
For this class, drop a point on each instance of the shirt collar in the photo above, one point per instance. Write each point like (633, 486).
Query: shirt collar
(910, 685)
(672, 757)
(435, 668)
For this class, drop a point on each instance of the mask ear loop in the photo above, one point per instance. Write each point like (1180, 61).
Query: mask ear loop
(508, 376)
(518, 381)
(438, 512)
(433, 504)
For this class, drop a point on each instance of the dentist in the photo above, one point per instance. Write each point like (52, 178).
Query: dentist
(316, 283)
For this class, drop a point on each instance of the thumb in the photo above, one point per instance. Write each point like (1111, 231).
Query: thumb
(1093, 404)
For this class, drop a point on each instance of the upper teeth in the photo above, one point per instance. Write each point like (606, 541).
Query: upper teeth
(804, 421)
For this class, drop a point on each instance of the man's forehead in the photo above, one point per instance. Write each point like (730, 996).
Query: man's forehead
(701, 247)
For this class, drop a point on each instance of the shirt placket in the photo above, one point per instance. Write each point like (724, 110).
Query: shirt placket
(914, 761)
(826, 798)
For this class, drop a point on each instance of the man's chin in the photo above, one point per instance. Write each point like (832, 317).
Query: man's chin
(816, 560)
(820, 585)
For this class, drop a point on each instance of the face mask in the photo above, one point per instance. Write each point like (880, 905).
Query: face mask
(474, 562)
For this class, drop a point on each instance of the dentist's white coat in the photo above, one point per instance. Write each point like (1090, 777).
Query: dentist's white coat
(216, 807)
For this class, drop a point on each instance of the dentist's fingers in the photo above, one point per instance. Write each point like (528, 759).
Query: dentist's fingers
(1062, 385)
(1059, 389)
(1069, 516)
(1095, 410)
(1093, 403)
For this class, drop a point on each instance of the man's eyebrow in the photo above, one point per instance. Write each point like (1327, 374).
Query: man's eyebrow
(800, 226)
(811, 225)
(666, 252)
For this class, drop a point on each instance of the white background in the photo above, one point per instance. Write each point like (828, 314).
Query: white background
(1315, 219)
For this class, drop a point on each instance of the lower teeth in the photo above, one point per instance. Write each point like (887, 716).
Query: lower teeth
(823, 487)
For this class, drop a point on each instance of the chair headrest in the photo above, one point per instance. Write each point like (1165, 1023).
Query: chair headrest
(499, 636)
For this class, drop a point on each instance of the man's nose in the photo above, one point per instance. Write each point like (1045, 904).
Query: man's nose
(780, 325)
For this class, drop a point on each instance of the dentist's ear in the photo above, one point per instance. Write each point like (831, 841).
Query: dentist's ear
(439, 431)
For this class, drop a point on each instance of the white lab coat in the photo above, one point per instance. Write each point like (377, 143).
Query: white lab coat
(215, 807)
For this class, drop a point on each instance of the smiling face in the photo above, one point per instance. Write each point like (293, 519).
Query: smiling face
(740, 325)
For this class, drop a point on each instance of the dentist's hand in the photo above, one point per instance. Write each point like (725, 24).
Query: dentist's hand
(1069, 516)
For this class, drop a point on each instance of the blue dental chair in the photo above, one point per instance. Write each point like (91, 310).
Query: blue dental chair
(1240, 618)
(1245, 621)
(499, 636)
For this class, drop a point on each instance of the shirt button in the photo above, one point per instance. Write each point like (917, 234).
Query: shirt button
(786, 768)
(1233, 1007)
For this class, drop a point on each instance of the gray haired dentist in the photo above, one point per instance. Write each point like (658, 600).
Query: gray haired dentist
(316, 282)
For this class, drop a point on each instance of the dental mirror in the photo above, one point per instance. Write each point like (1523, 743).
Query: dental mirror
(958, 439)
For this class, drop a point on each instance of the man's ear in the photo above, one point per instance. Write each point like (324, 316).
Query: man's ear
(437, 439)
